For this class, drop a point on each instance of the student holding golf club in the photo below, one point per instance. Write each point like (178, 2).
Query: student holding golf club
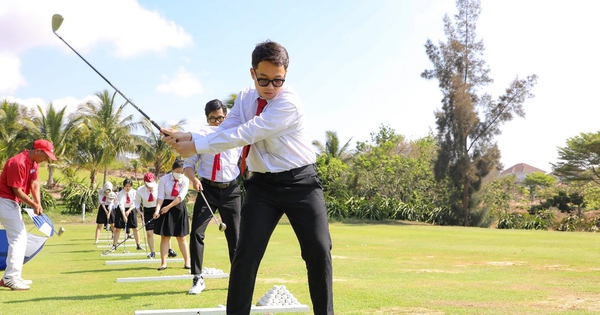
(105, 216)
(126, 214)
(171, 218)
(271, 120)
(218, 182)
(19, 178)
(145, 202)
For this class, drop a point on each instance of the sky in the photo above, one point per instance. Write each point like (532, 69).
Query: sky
(356, 64)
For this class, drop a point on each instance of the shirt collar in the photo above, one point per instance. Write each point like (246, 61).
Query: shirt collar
(28, 158)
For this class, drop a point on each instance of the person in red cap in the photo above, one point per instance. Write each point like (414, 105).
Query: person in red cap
(18, 180)
(145, 203)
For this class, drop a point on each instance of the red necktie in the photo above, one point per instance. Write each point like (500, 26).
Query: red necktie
(216, 166)
(104, 199)
(151, 198)
(261, 105)
(175, 191)
(128, 199)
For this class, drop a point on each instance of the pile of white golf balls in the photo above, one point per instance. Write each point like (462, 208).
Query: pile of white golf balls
(211, 271)
(278, 296)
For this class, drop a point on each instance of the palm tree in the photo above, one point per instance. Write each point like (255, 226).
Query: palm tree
(231, 100)
(153, 150)
(53, 127)
(16, 131)
(107, 133)
(332, 147)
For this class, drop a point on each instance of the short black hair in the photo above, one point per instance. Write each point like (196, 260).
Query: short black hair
(127, 181)
(272, 52)
(214, 105)
(177, 164)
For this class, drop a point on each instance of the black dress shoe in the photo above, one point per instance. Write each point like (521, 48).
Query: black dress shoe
(187, 267)
(172, 253)
(161, 268)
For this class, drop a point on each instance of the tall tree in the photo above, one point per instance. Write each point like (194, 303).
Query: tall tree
(579, 160)
(537, 180)
(332, 147)
(110, 132)
(16, 131)
(53, 125)
(468, 119)
(230, 100)
(153, 150)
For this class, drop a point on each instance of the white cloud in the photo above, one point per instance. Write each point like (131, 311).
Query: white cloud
(124, 26)
(183, 84)
(11, 78)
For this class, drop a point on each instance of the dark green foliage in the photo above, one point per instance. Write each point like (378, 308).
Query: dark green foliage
(48, 202)
(513, 220)
(76, 194)
(571, 223)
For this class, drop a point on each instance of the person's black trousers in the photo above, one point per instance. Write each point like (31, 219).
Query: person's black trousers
(228, 202)
(298, 194)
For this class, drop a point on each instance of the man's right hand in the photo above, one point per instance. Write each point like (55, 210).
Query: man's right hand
(38, 209)
(196, 184)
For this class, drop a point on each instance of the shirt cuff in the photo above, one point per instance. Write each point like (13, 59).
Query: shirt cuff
(201, 143)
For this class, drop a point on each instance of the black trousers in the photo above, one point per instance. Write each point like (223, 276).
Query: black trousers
(298, 194)
(228, 202)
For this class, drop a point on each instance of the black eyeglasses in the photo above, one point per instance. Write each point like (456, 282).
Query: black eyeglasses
(215, 119)
(265, 82)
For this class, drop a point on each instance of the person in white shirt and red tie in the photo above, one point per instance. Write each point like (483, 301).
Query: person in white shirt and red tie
(270, 118)
(145, 203)
(125, 214)
(171, 218)
(218, 182)
(105, 217)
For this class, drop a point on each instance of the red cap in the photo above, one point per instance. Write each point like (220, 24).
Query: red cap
(149, 179)
(45, 146)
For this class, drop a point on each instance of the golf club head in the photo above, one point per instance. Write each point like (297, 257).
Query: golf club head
(105, 252)
(222, 226)
(57, 20)
(60, 231)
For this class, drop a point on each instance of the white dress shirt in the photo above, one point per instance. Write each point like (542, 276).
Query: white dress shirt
(142, 195)
(165, 186)
(110, 200)
(280, 141)
(122, 199)
(203, 165)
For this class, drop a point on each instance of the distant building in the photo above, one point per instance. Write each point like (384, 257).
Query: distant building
(520, 171)
(127, 156)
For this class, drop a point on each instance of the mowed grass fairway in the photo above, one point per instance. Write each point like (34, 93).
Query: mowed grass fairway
(378, 269)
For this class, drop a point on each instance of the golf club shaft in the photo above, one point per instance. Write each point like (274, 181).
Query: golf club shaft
(211, 212)
(127, 237)
(100, 74)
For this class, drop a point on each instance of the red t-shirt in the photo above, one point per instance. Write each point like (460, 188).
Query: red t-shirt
(19, 171)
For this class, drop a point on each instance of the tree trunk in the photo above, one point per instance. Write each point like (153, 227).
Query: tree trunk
(93, 178)
(465, 201)
(50, 182)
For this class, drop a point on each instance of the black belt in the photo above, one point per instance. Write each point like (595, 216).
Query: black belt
(217, 184)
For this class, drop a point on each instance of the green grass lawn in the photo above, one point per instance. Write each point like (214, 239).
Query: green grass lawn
(378, 269)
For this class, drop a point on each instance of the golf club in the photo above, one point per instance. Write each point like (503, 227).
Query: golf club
(221, 225)
(145, 240)
(106, 252)
(60, 231)
(57, 20)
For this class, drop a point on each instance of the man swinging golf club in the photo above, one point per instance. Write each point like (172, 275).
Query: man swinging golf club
(19, 178)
